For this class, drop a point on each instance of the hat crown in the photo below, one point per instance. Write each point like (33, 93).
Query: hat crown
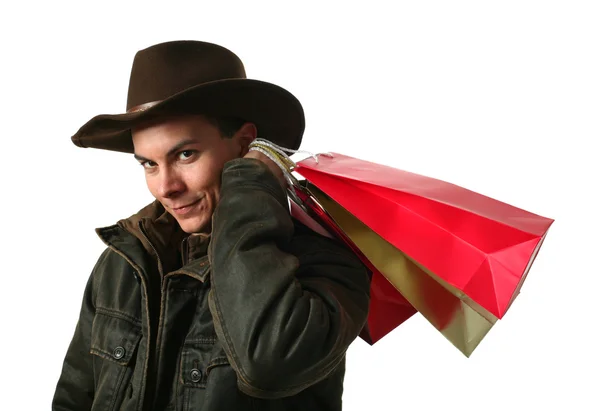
(165, 69)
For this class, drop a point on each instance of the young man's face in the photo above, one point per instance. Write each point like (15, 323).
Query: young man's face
(183, 158)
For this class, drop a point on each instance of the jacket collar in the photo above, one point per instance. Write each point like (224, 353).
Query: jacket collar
(153, 232)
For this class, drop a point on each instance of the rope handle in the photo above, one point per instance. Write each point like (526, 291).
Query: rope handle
(279, 155)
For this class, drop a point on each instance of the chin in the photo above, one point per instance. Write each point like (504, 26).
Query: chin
(192, 226)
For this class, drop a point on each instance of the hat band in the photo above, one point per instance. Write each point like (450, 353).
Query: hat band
(142, 107)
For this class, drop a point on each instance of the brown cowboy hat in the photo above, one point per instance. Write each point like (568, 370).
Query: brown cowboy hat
(195, 77)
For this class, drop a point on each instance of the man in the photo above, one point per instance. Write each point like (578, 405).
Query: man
(211, 297)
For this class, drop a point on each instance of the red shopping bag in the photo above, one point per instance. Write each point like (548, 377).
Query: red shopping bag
(388, 308)
(478, 245)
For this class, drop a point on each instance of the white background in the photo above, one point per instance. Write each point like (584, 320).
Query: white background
(499, 97)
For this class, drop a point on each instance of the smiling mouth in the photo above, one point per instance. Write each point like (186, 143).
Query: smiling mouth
(189, 205)
(187, 208)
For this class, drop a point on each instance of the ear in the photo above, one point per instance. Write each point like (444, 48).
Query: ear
(246, 135)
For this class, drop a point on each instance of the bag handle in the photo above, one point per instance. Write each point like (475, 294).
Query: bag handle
(279, 155)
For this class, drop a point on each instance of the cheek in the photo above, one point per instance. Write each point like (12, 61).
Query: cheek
(151, 183)
(204, 176)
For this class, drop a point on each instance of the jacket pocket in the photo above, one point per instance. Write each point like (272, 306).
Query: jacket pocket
(114, 345)
(204, 367)
(198, 359)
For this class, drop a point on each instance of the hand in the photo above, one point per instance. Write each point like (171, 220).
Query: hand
(270, 164)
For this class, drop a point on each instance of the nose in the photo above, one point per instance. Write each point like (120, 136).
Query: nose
(170, 184)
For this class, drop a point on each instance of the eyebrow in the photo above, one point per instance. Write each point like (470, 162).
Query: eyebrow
(172, 151)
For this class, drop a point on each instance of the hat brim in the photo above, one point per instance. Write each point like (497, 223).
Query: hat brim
(278, 115)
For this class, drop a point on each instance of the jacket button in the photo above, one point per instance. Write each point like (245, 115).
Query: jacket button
(195, 375)
(118, 353)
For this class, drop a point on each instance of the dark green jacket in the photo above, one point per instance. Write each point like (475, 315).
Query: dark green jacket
(258, 316)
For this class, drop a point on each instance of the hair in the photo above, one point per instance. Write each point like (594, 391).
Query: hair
(227, 125)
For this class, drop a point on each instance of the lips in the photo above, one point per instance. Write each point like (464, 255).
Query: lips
(185, 209)
(183, 206)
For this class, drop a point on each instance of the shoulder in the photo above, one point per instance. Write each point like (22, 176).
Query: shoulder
(109, 267)
(108, 258)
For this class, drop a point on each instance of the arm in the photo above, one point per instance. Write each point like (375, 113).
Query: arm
(286, 305)
(75, 387)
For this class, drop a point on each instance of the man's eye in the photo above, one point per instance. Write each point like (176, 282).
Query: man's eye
(186, 154)
(146, 164)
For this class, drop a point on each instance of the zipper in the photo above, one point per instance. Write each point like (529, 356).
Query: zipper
(184, 252)
(160, 317)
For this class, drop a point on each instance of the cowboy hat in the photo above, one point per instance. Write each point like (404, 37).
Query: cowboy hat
(195, 77)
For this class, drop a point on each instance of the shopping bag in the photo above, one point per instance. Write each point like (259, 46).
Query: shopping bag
(480, 247)
(457, 320)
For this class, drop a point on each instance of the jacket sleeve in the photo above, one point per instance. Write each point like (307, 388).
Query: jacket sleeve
(75, 387)
(286, 305)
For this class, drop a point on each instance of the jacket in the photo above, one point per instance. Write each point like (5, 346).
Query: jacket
(258, 315)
